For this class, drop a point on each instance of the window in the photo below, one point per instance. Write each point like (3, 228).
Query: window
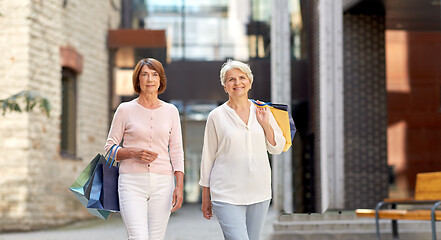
(68, 114)
(211, 30)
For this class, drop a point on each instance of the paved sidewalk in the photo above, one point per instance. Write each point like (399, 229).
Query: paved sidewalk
(185, 224)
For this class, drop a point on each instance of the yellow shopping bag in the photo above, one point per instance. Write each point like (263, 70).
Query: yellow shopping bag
(283, 117)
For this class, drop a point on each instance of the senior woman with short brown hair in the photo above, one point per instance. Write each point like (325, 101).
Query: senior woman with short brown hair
(151, 155)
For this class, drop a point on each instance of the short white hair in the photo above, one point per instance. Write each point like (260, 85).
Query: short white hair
(232, 64)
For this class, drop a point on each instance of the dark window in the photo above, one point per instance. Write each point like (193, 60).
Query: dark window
(69, 113)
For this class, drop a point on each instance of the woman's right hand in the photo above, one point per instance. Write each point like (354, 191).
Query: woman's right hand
(206, 208)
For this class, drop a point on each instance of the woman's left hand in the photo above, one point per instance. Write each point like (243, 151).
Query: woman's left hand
(178, 197)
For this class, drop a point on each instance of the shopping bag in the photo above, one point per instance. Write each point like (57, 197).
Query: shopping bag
(104, 188)
(95, 197)
(82, 185)
(110, 185)
(283, 116)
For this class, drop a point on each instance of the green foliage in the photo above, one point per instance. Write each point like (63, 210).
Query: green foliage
(29, 98)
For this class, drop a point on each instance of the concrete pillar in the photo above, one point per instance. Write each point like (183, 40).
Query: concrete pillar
(331, 104)
(281, 93)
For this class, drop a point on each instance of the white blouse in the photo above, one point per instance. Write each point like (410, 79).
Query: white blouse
(235, 162)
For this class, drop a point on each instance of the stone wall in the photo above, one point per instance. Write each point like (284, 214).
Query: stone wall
(35, 177)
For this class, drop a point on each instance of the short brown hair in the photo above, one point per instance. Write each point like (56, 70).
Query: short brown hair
(154, 65)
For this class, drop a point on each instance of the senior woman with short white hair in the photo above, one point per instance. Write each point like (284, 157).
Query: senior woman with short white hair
(235, 169)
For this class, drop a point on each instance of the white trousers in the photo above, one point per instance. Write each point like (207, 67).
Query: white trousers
(145, 201)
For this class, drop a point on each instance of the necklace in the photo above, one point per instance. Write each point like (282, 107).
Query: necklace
(156, 103)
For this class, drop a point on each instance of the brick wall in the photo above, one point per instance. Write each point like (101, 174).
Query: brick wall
(35, 178)
(414, 90)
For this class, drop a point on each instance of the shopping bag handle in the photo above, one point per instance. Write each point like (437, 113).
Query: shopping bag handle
(113, 158)
(283, 107)
(261, 104)
(110, 151)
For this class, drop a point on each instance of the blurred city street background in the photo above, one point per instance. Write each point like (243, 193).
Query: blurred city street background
(362, 79)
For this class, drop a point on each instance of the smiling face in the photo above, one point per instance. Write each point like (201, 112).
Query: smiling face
(149, 80)
(237, 83)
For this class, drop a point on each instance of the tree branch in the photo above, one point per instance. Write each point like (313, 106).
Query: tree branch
(29, 98)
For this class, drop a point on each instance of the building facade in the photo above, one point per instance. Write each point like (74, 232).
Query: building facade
(57, 49)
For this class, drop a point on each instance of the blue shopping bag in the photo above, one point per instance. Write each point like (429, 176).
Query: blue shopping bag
(104, 189)
(110, 198)
(82, 186)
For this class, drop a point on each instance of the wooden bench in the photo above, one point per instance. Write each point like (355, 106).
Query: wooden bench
(424, 204)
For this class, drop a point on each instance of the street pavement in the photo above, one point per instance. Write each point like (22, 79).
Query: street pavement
(185, 224)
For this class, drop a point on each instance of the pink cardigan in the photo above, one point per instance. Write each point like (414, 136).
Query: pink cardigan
(158, 130)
